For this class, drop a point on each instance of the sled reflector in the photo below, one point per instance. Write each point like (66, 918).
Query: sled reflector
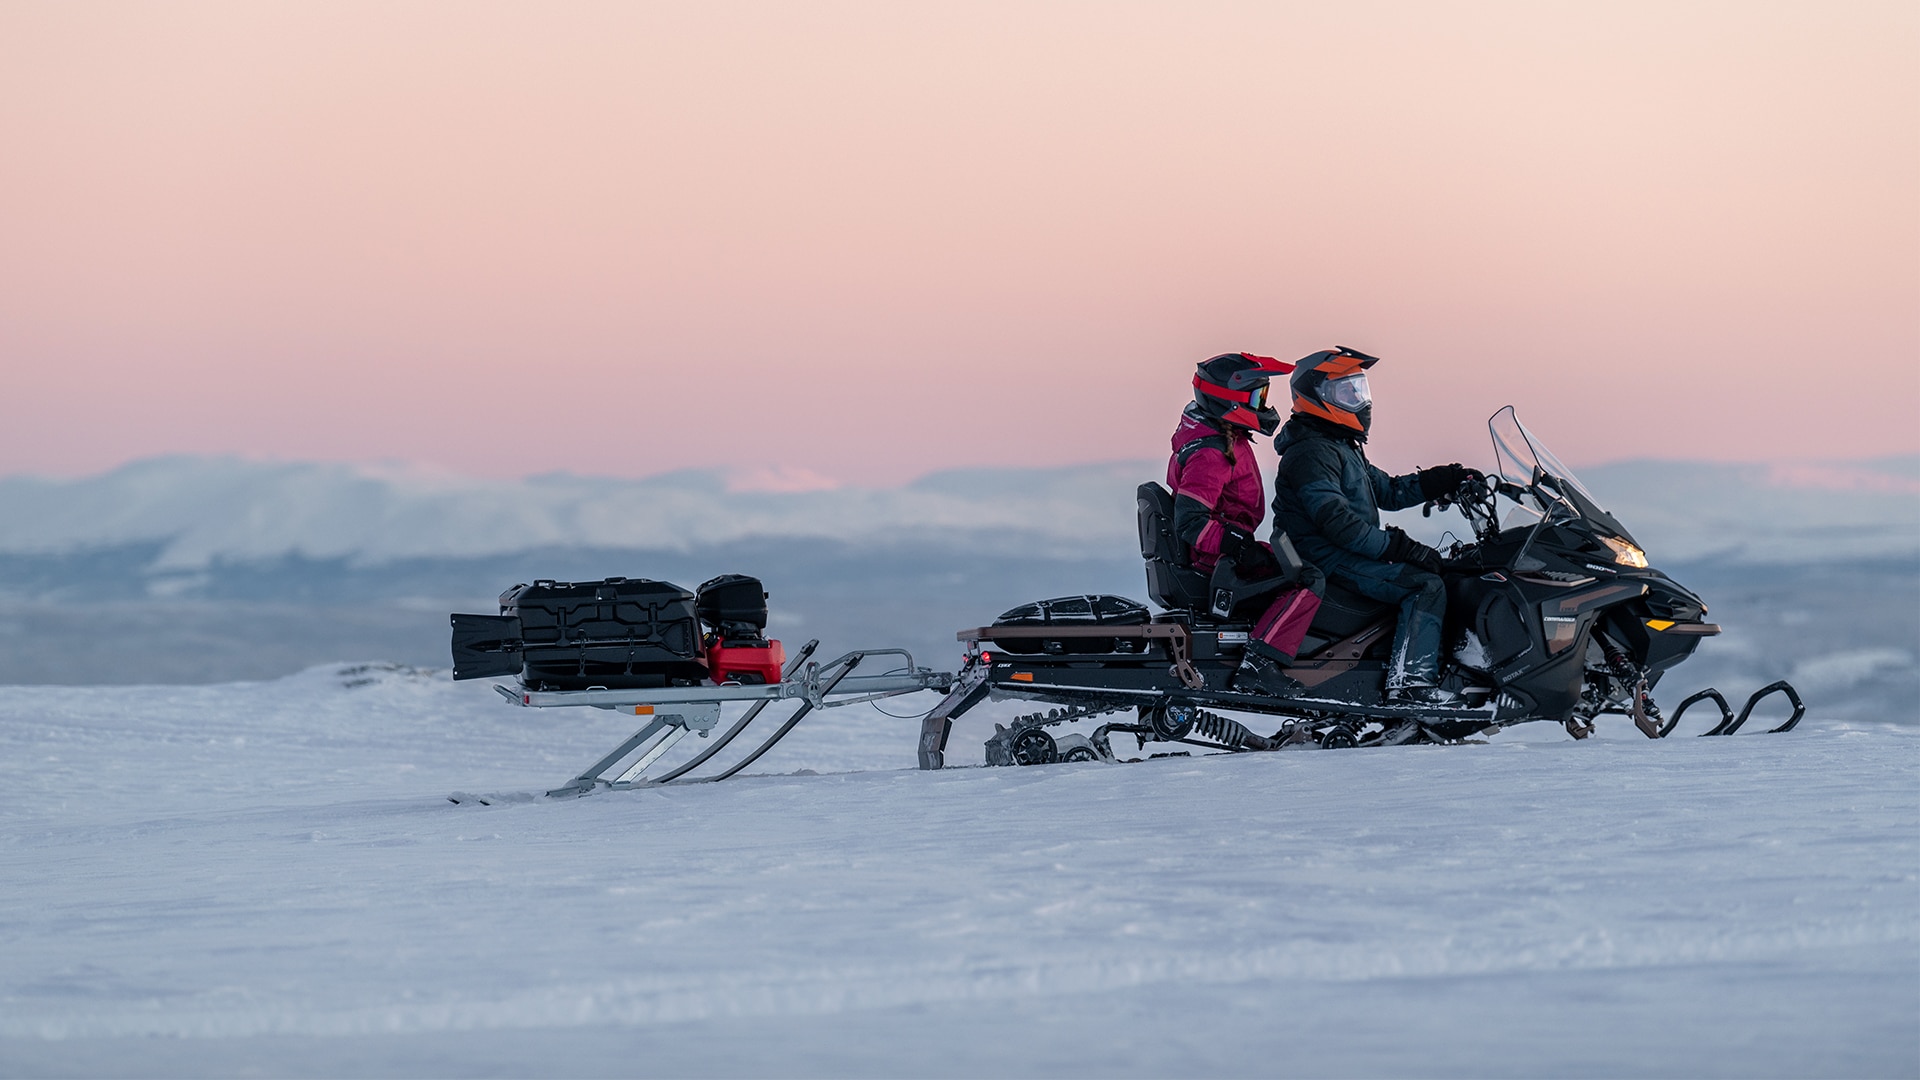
(643, 710)
(1021, 676)
(1659, 624)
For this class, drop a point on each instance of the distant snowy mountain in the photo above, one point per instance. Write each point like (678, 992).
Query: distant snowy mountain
(198, 510)
(207, 569)
(201, 509)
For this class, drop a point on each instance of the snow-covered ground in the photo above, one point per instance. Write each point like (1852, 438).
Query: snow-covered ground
(267, 878)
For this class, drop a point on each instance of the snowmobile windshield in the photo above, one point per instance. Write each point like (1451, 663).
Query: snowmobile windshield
(1525, 462)
(1350, 393)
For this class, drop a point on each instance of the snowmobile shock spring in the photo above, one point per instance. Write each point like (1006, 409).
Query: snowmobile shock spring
(1231, 734)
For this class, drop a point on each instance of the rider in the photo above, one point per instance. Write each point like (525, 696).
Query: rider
(1218, 500)
(1328, 498)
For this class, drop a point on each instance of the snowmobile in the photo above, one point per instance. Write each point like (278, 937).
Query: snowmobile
(1553, 613)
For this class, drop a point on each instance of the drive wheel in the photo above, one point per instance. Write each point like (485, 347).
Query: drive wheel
(1034, 747)
(1339, 737)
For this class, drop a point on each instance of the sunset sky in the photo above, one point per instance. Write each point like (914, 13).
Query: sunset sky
(870, 240)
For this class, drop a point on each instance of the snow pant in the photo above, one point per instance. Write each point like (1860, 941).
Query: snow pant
(1423, 605)
(1282, 623)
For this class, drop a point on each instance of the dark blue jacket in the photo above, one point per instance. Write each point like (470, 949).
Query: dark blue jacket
(1328, 496)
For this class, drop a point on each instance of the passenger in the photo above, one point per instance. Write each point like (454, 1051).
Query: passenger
(1328, 499)
(1219, 499)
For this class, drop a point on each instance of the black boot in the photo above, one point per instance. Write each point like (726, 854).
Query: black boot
(1422, 695)
(1261, 674)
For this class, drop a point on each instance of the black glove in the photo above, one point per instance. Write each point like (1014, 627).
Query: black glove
(1444, 480)
(1234, 541)
(1404, 548)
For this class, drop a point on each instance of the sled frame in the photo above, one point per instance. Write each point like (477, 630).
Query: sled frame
(675, 711)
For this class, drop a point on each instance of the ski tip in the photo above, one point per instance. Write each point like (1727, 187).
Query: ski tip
(462, 798)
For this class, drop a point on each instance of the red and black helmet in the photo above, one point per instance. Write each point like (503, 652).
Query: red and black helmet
(1332, 385)
(1233, 388)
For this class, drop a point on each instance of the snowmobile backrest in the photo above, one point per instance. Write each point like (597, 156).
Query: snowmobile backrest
(1171, 583)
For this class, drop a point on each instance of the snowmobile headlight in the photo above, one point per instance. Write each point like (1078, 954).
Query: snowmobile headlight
(1624, 553)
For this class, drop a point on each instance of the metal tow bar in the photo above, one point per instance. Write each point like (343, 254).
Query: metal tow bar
(673, 712)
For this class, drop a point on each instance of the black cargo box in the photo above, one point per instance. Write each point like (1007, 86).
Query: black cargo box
(1074, 611)
(620, 633)
(733, 606)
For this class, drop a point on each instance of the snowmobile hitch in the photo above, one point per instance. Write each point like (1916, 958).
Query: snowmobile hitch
(1728, 722)
(675, 711)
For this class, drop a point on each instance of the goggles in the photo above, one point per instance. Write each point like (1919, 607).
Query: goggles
(1349, 392)
(1254, 396)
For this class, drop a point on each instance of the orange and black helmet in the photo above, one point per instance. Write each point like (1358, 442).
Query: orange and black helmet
(1235, 388)
(1332, 385)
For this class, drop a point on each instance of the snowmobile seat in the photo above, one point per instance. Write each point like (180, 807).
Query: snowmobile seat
(1171, 583)
(1343, 613)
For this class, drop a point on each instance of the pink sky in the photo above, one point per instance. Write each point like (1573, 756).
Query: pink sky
(869, 240)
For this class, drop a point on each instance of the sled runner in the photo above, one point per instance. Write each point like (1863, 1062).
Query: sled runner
(1553, 615)
(673, 713)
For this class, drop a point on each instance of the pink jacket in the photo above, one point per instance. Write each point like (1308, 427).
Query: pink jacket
(1214, 478)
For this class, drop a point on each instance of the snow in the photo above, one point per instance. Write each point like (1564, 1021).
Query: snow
(267, 878)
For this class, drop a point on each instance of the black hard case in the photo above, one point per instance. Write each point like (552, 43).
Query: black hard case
(620, 633)
(1076, 612)
(734, 606)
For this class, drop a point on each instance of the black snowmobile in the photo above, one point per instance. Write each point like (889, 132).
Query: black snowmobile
(1552, 614)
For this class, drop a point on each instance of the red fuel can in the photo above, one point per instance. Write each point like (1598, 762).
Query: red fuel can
(750, 665)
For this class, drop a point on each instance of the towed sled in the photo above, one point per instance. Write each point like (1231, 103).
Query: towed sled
(672, 656)
(1552, 614)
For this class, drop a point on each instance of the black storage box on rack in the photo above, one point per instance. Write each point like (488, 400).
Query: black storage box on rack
(1076, 612)
(620, 633)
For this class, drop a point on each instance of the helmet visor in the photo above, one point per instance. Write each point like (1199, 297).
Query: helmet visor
(1257, 396)
(1350, 392)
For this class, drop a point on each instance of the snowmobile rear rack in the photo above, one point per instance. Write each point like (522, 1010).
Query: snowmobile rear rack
(1174, 634)
(674, 711)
